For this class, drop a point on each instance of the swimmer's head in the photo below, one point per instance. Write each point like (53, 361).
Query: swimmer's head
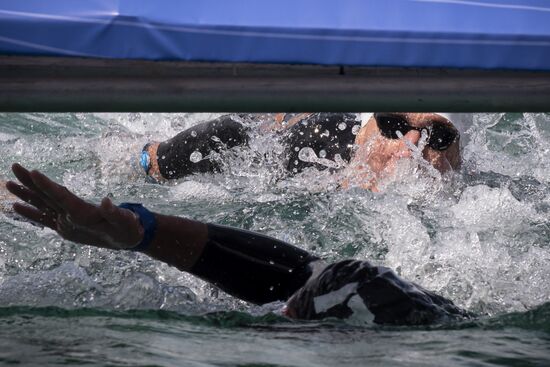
(388, 137)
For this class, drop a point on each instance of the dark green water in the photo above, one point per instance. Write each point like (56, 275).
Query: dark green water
(480, 237)
(147, 338)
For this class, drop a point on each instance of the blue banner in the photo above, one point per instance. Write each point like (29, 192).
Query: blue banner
(487, 34)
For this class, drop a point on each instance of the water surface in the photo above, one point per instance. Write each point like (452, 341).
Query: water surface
(479, 237)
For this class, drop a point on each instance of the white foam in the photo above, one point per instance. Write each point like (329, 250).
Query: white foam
(478, 236)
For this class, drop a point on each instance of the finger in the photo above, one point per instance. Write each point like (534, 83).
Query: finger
(24, 176)
(36, 215)
(79, 210)
(26, 195)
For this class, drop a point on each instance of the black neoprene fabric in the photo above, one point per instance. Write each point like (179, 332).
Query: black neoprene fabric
(328, 134)
(390, 298)
(260, 269)
(174, 155)
(253, 267)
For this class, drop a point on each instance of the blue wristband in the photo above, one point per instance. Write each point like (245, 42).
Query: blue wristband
(148, 222)
(145, 160)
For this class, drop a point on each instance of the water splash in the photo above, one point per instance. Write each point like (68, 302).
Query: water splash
(479, 236)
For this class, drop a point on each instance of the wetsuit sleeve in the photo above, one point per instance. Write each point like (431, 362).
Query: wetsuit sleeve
(253, 267)
(175, 155)
(330, 136)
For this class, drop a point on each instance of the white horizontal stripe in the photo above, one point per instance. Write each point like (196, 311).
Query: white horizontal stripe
(510, 42)
(488, 5)
(43, 47)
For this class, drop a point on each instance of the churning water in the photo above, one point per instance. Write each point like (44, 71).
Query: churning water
(480, 237)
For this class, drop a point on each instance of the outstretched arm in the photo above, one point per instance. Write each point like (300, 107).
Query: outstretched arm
(104, 225)
(248, 265)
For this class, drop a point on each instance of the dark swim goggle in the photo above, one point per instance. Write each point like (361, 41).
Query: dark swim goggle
(440, 135)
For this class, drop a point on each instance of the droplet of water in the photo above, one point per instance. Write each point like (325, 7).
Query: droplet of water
(322, 153)
(194, 133)
(215, 138)
(195, 157)
(355, 129)
(342, 126)
(307, 154)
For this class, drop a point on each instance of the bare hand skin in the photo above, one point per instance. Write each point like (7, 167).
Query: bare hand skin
(73, 218)
(178, 241)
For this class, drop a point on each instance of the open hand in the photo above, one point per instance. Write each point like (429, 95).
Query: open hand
(74, 219)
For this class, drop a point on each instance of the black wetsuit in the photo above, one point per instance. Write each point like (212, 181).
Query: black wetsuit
(175, 155)
(330, 136)
(261, 269)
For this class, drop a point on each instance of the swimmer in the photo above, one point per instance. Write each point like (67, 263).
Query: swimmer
(366, 149)
(248, 265)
